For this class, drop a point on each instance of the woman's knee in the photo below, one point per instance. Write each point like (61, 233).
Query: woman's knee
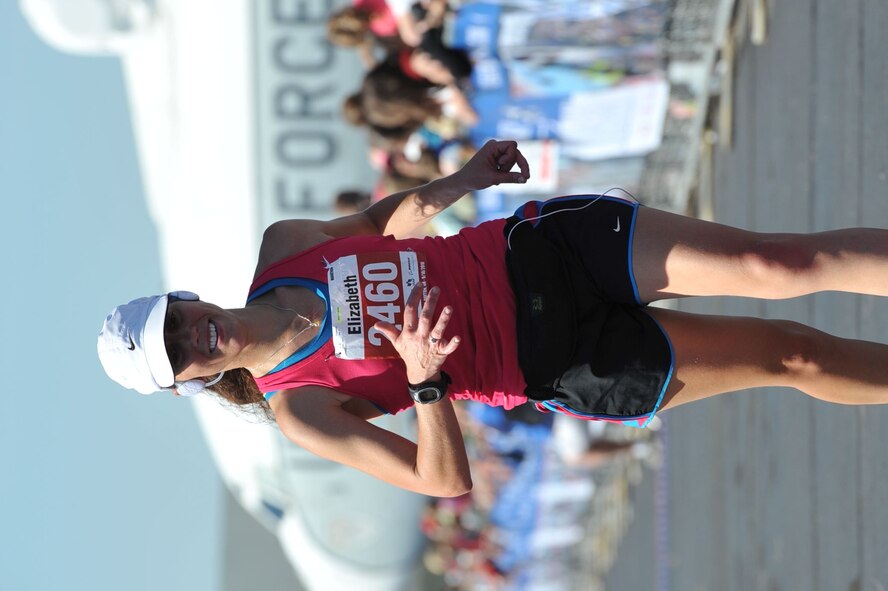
(803, 351)
(780, 266)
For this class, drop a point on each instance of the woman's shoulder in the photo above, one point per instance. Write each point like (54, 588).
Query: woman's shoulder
(286, 238)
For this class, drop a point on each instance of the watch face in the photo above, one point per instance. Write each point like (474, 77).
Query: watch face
(427, 395)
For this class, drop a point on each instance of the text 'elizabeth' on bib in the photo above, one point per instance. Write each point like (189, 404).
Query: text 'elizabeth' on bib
(367, 288)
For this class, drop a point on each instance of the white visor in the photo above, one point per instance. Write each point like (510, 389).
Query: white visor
(131, 345)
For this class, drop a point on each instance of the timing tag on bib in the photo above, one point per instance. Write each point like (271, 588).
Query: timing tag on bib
(367, 288)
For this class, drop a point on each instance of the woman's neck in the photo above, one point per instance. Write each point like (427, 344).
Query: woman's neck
(279, 326)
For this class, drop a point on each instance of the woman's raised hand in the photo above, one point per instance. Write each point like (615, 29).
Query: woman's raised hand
(492, 165)
(421, 343)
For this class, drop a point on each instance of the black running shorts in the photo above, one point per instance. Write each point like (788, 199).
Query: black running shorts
(585, 343)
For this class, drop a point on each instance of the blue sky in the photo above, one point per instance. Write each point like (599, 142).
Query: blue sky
(102, 488)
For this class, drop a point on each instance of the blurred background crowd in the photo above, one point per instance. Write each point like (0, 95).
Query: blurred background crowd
(581, 84)
(551, 500)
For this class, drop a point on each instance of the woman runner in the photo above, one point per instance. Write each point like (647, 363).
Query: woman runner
(347, 319)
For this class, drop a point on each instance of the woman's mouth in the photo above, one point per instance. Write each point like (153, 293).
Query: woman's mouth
(213, 341)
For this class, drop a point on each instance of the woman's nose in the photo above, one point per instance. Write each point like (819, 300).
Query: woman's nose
(184, 333)
(193, 336)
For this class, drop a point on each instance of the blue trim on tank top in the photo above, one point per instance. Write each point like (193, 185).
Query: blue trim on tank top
(324, 334)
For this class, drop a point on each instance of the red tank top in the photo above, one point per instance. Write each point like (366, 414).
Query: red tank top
(470, 271)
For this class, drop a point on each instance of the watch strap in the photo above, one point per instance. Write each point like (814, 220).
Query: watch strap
(443, 382)
(440, 385)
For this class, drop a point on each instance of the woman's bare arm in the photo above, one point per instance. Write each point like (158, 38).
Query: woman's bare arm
(401, 214)
(313, 418)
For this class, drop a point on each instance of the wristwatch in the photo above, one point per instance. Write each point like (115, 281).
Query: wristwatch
(430, 391)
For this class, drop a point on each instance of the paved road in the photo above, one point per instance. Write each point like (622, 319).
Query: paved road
(769, 490)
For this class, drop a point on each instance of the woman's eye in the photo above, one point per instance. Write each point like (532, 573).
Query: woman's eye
(175, 358)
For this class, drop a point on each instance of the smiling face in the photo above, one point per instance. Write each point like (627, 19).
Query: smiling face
(201, 339)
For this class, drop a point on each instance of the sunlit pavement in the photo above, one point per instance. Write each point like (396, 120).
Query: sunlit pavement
(772, 490)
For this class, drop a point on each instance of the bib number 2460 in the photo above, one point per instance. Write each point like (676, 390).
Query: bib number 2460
(368, 288)
(383, 298)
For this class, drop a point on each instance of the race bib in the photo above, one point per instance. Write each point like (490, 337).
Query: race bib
(367, 288)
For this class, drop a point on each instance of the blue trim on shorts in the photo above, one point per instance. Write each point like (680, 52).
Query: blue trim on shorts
(554, 405)
(668, 375)
(519, 213)
(637, 421)
(631, 244)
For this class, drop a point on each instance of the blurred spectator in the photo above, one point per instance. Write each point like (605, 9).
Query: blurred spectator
(371, 24)
(437, 62)
(415, 19)
(394, 106)
(422, 168)
(391, 102)
(364, 26)
(583, 443)
(348, 202)
(536, 481)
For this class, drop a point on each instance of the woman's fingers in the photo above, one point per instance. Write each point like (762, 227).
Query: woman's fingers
(389, 331)
(437, 333)
(418, 320)
(428, 311)
(452, 345)
(446, 347)
(492, 165)
(439, 344)
(411, 310)
(508, 155)
(523, 166)
(421, 343)
(506, 159)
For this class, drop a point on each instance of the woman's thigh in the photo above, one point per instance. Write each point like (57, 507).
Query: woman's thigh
(675, 255)
(718, 354)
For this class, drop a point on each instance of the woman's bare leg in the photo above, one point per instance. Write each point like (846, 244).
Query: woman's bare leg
(718, 354)
(674, 255)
